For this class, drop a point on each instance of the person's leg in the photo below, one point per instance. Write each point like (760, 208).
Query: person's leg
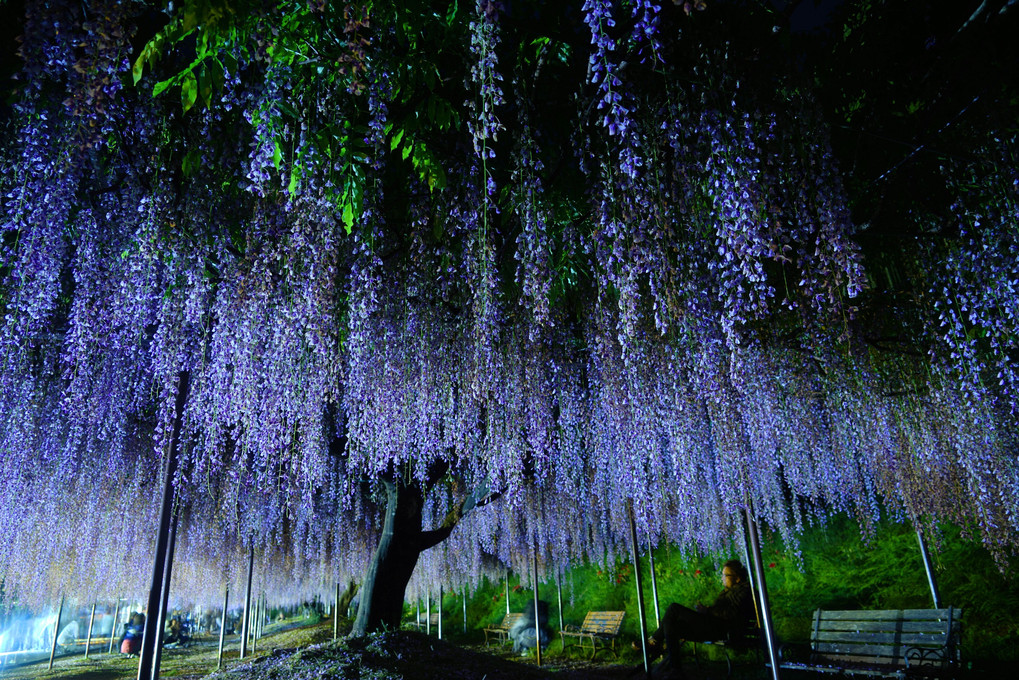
(682, 623)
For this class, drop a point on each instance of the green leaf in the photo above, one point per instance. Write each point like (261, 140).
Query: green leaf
(161, 86)
(205, 85)
(277, 154)
(138, 68)
(188, 91)
(395, 140)
(348, 217)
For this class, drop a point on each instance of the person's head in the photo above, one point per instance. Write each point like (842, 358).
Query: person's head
(138, 619)
(733, 573)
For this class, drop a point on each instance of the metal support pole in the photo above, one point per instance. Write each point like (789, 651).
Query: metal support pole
(253, 625)
(247, 603)
(654, 584)
(164, 598)
(151, 635)
(559, 596)
(336, 612)
(440, 612)
(113, 631)
(56, 631)
(537, 619)
(465, 609)
(929, 569)
(222, 626)
(507, 591)
(762, 592)
(428, 613)
(91, 622)
(748, 562)
(641, 616)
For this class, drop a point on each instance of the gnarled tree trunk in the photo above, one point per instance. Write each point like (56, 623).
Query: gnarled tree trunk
(402, 542)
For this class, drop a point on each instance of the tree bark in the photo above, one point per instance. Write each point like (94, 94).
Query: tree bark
(402, 542)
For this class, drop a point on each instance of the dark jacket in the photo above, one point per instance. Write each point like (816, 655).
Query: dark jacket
(735, 606)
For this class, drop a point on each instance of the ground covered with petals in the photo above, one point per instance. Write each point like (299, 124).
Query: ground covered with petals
(404, 655)
(307, 652)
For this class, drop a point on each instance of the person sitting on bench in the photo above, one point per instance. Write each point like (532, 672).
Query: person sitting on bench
(727, 617)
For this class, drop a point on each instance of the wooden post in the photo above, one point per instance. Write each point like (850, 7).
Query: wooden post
(247, 603)
(56, 631)
(440, 612)
(113, 631)
(507, 591)
(151, 636)
(428, 613)
(465, 609)
(641, 616)
(537, 619)
(762, 593)
(222, 626)
(91, 621)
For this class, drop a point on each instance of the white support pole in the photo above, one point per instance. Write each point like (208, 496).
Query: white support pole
(762, 592)
(113, 631)
(91, 622)
(56, 631)
(222, 626)
(537, 619)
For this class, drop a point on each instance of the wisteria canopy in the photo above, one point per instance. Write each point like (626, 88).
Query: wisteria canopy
(575, 254)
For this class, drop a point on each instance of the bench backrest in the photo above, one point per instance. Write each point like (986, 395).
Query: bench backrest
(603, 623)
(510, 619)
(884, 637)
(432, 619)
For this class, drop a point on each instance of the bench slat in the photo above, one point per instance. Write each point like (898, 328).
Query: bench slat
(879, 614)
(909, 639)
(932, 627)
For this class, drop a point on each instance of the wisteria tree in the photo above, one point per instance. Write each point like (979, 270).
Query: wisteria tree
(457, 282)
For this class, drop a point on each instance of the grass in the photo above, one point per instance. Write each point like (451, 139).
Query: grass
(834, 567)
(196, 661)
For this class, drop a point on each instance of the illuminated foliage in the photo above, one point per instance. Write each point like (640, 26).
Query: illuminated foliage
(575, 261)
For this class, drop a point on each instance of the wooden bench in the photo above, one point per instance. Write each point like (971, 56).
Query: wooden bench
(895, 643)
(598, 627)
(424, 623)
(501, 630)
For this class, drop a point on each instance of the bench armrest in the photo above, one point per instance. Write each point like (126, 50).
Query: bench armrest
(926, 656)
